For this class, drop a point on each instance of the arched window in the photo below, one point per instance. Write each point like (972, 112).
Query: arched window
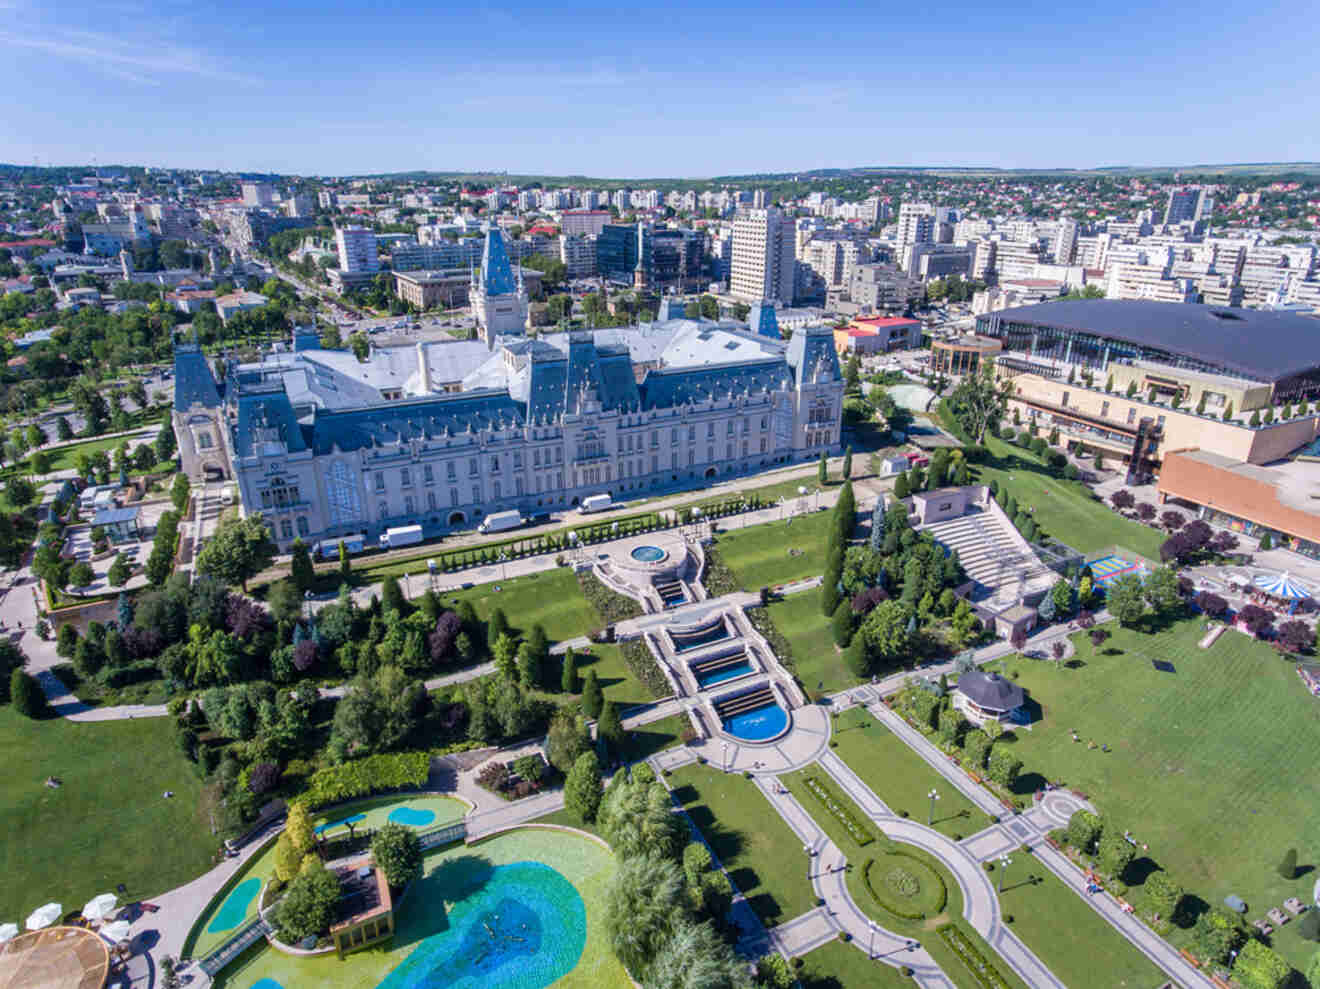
(303, 528)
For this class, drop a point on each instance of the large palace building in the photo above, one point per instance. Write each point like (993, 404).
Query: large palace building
(1219, 404)
(442, 434)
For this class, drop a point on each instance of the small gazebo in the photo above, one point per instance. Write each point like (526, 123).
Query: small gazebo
(983, 697)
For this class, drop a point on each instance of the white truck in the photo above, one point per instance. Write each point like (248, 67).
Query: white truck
(403, 535)
(501, 522)
(595, 503)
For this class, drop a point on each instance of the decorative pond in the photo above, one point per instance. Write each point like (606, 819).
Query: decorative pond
(759, 724)
(648, 554)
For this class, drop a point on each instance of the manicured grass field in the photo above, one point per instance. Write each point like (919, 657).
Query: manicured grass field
(763, 856)
(65, 458)
(844, 966)
(763, 555)
(1066, 934)
(424, 914)
(1065, 509)
(900, 777)
(107, 824)
(551, 598)
(1206, 763)
(818, 664)
(612, 672)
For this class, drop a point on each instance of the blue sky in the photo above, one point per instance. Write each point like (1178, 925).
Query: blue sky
(678, 89)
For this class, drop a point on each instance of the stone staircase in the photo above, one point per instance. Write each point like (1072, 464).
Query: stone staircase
(995, 556)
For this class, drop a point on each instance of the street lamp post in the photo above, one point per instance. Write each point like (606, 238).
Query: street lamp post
(1004, 863)
(930, 817)
(807, 849)
(724, 756)
(873, 940)
(504, 568)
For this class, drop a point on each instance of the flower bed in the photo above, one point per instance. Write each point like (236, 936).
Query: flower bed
(826, 798)
(982, 971)
(609, 604)
(905, 886)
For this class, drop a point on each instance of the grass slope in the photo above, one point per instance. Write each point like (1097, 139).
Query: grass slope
(818, 664)
(1065, 510)
(108, 823)
(761, 555)
(1207, 763)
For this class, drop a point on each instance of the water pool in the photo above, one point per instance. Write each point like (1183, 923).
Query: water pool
(233, 911)
(522, 926)
(648, 554)
(351, 819)
(724, 673)
(759, 724)
(412, 817)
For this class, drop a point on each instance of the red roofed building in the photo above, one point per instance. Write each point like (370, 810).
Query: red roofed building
(26, 248)
(878, 335)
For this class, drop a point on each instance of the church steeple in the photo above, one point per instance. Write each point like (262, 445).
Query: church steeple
(639, 273)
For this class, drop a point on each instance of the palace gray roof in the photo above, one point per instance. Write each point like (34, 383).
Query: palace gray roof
(990, 691)
(496, 275)
(1261, 345)
(193, 382)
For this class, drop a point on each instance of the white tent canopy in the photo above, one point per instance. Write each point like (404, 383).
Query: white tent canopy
(44, 916)
(1282, 585)
(116, 931)
(8, 932)
(100, 907)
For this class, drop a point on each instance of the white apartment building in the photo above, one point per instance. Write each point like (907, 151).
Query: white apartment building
(583, 222)
(357, 250)
(258, 194)
(763, 265)
(578, 255)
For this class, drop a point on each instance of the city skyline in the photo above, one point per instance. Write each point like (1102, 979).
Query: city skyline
(304, 90)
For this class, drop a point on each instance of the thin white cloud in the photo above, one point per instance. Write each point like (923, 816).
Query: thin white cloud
(142, 61)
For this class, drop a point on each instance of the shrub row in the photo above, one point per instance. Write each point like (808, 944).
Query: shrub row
(763, 623)
(363, 777)
(717, 578)
(825, 796)
(609, 604)
(643, 666)
(986, 975)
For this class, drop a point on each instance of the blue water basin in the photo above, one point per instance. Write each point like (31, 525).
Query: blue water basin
(724, 673)
(523, 926)
(412, 817)
(351, 819)
(759, 724)
(648, 554)
(235, 908)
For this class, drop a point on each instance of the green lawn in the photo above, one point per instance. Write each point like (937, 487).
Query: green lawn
(551, 597)
(427, 916)
(1207, 763)
(763, 555)
(1066, 934)
(900, 777)
(612, 672)
(843, 966)
(762, 855)
(819, 666)
(108, 823)
(65, 458)
(1065, 510)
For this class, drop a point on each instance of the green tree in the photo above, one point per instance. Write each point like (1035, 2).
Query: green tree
(26, 694)
(1217, 934)
(582, 788)
(1126, 599)
(308, 906)
(504, 652)
(610, 726)
(1162, 591)
(398, 853)
(1288, 867)
(345, 565)
(885, 632)
(568, 679)
(847, 463)
(1163, 895)
(1061, 596)
(81, 574)
(497, 626)
(1115, 853)
(1004, 767)
(239, 550)
(119, 572)
(644, 903)
(901, 486)
(593, 699)
(841, 624)
(391, 597)
(1258, 966)
(822, 470)
(360, 346)
(20, 491)
(302, 573)
(180, 491)
(566, 739)
(1084, 830)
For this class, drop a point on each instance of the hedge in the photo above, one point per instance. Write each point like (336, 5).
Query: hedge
(363, 777)
(609, 604)
(717, 578)
(970, 955)
(760, 619)
(826, 797)
(643, 666)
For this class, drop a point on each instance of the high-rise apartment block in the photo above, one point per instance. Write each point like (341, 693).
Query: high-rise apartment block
(764, 265)
(357, 250)
(1190, 203)
(258, 194)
